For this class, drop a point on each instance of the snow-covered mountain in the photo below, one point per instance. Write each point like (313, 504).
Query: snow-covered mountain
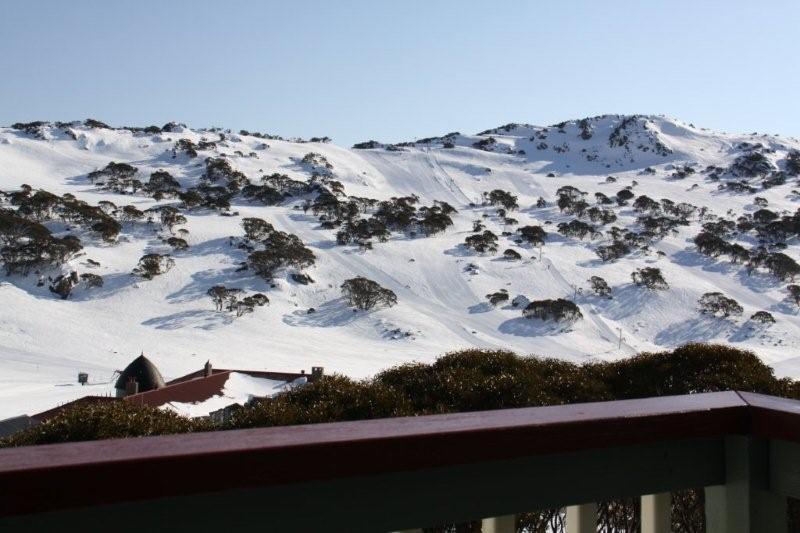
(737, 189)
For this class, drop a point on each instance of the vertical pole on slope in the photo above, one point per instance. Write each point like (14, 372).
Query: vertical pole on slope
(499, 524)
(619, 345)
(582, 518)
(657, 513)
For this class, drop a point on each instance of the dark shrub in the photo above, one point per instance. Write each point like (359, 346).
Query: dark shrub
(534, 235)
(714, 303)
(256, 229)
(613, 251)
(763, 317)
(152, 265)
(106, 420)
(689, 369)
(498, 297)
(332, 398)
(281, 250)
(600, 287)
(63, 284)
(482, 242)
(649, 277)
(558, 310)
(363, 293)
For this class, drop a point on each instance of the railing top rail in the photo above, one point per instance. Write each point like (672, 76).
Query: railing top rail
(215, 461)
(574, 420)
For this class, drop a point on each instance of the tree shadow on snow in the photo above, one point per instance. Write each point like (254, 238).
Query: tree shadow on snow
(483, 307)
(112, 283)
(699, 329)
(532, 327)
(628, 300)
(204, 279)
(330, 314)
(197, 318)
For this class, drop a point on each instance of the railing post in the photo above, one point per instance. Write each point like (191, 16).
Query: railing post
(745, 504)
(582, 518)
(499, 524)
(657, 513)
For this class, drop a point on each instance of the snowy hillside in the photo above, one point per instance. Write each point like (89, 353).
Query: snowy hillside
(738, 190)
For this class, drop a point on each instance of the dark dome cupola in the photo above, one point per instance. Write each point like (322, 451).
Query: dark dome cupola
(139, 376)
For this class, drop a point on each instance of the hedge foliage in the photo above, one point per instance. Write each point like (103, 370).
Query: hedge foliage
(468, 380)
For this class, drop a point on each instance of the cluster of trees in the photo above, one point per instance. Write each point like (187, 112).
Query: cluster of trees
(484, 242)
(502, 198)
(117, 177)
(228, 299)
(763, 317)
(649, 277)
(486, 144)
(792, 163)
(190, 148)
(398, 214)
(281, 249)
(162, 185)
(778, 264)
(26, 245)
(571, 200)
(600, 286)
(317, 163)
(713, 245)
(365, 294)
(750, 165)
(586, 129)
(622, 136)
(716, 303)
(533, 235)
(152, 265)
(498, 297)
(577, 229)
(219, 170)
(711, 242)
(559, 310)
(42, 206)
(615, 250)
(63, 284)
(753, 163)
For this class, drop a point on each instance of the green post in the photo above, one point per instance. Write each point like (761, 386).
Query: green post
(745, 504)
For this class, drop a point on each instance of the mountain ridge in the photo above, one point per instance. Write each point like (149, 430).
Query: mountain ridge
(441, 283)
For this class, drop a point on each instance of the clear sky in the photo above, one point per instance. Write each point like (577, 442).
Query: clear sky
(400, 70)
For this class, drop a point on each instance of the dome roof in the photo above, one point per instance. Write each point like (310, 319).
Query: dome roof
(144, 372)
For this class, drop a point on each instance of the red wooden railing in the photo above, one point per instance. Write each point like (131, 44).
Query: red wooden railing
(409, 472)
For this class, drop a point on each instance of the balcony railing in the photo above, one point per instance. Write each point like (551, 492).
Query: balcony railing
(406, 473)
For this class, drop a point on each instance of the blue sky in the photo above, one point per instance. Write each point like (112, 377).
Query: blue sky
(395, 71)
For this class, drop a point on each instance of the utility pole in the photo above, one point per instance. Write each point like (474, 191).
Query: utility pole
(619, 346)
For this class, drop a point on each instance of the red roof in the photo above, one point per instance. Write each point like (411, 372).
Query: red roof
(191, 390)
(86, 400)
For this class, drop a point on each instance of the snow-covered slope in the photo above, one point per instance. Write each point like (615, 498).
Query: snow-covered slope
(441, 285)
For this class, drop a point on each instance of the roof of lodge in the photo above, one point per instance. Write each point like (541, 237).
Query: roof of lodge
(190, 388)
(196, 387)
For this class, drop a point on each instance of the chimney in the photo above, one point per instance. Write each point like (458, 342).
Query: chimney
(131, 387)
(317, 372)
(207, 369)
